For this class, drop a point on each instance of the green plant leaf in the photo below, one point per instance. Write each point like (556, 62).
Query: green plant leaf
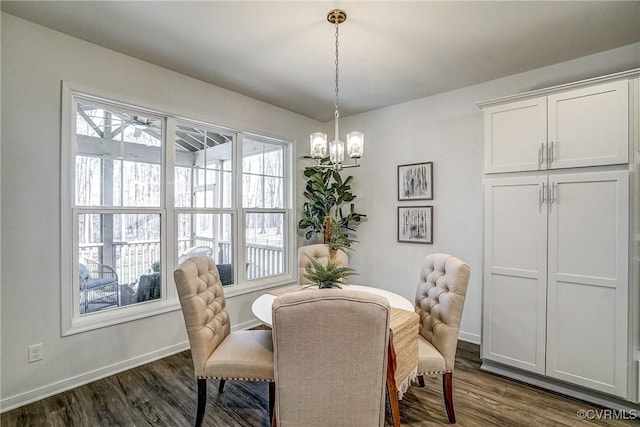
(331, 273)
(325, 192)
(309, 172)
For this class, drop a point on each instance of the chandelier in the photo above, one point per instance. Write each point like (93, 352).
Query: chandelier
(355, 140)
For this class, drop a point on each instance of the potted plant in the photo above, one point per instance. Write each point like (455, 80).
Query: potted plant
(327, 194)
(149, 284)
(331, 276)
(155, 267)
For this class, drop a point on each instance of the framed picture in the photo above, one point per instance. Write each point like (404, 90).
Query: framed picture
(415, 181)
(415, 224)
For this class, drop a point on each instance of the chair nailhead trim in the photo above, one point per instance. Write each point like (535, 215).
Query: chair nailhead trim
(434, 372)
(232, 379)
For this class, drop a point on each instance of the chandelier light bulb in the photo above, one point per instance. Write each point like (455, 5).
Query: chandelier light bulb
(355, 144)
(318, 145)
(336, 151)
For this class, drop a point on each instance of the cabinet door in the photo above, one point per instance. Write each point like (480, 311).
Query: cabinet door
(515, 135)
(588, 280)
(515, 272)
(589, 126)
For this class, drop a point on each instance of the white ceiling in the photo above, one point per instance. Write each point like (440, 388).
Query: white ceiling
(390, 52)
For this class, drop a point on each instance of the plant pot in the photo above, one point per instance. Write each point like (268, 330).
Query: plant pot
(328, 285)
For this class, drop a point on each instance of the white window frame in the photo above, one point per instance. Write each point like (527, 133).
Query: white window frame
(72, 322)
(290, 258)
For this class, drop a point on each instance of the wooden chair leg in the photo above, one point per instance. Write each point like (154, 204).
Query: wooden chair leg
(272, 400)
(392, 389)
(392, 392)
(202, 401)
(221, 386)
(421, 380)
(447, 390)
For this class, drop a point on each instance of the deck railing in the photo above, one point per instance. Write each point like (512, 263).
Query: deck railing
(264, 261)
(133, 259)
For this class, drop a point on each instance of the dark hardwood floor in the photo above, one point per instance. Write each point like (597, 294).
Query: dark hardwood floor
(163, 393)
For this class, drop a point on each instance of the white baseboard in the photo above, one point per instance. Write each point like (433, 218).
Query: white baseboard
(39, 393)
(472, 338)
(246, 325)
(560, 387)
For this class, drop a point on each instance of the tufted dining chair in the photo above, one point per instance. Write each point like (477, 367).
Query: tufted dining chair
(439, 300)
(217, 352)
(330, 358)
(319, 252)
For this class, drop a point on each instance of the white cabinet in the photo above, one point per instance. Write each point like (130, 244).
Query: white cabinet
(555, 276)
(587, 288)
(515, 136)
(560, 280)
(589, 126)
(515, 273)
(581, 127)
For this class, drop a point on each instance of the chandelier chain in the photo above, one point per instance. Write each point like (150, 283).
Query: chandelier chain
(337, 114)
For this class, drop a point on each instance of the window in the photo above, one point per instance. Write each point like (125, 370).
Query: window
(204, 196)
(117, 210)
(139, 205)
(263, 201)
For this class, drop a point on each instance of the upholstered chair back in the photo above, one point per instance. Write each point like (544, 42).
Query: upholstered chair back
(330, 358)
(440, 297)
(319, 252)
(204, 308)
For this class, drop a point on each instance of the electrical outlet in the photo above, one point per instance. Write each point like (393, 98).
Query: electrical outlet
(36, 352)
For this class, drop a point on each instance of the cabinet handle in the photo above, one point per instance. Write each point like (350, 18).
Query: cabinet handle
(550, 155)
(541, 193)
(553, 197)
(541, 154)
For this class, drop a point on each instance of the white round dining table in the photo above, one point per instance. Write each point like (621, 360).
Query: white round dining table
(261, 307)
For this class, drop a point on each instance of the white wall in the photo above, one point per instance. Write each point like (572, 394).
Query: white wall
(34, 62)
(445, 129)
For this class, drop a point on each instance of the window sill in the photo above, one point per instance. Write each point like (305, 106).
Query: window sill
(140, 311)
(249, 287)
(121, 315)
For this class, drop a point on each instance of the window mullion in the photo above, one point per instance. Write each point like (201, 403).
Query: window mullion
(239, 217)
(168, 232)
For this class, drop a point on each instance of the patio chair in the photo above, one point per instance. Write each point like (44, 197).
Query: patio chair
(195, 251)
(98, 286)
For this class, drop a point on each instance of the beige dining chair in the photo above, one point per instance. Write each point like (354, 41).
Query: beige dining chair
(439, 301)
(330, 358)
(319, 252)
(218, 353)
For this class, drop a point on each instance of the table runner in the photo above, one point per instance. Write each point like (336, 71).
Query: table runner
(404, 327)
(404, 335)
